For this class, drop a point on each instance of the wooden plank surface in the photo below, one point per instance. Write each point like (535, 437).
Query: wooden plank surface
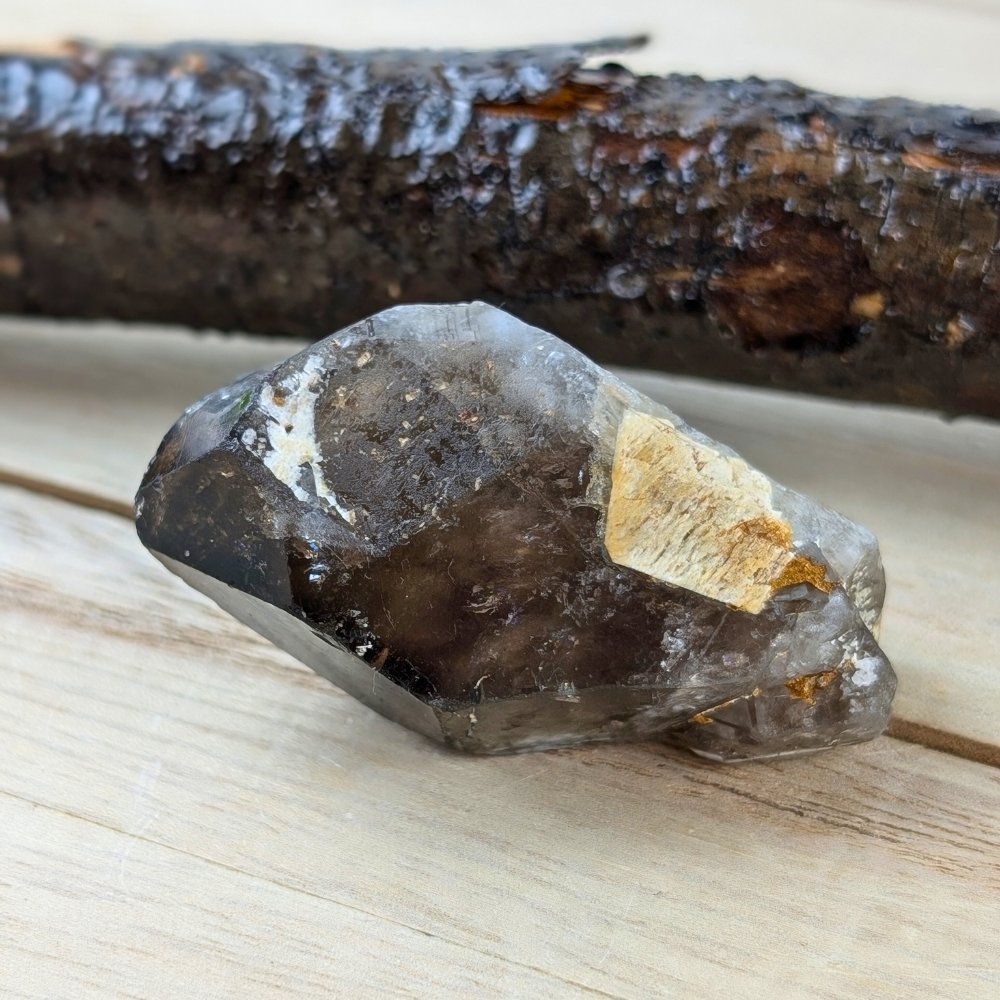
(138, 919)
(85, 407)
(935, 50)
(186, 811)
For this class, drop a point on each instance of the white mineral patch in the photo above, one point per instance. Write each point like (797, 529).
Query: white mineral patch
(866, 671)
(291, 434)
(694, 517)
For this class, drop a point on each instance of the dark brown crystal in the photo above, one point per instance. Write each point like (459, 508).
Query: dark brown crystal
(480, 533)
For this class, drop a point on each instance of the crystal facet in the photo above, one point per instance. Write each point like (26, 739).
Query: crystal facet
(469, 526)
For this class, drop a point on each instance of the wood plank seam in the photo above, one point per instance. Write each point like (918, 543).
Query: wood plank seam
(900, 729)
(937, 739)
(590, 990)
(70, 495)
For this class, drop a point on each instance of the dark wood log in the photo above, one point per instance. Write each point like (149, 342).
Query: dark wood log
(753, 230)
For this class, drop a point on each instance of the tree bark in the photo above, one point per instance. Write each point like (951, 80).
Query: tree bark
(752, 231)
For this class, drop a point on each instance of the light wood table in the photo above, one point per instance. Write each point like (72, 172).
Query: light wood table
(187, 812)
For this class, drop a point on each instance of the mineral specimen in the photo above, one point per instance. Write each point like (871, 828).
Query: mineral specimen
(475, 530)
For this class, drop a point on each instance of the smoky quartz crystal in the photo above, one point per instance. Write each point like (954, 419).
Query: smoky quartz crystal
(481, 534)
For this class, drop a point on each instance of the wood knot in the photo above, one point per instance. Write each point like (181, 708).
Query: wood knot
(793, 282)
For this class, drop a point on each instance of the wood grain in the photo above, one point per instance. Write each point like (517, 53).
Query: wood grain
(187, 811)
(86, 406)
(134, 918)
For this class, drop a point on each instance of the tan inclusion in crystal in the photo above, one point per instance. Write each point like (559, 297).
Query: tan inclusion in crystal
(690, 516)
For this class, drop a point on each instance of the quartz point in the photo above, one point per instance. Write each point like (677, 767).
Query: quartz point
(475, 530)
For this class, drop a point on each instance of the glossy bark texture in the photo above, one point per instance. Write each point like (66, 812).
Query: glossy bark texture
(752, 231)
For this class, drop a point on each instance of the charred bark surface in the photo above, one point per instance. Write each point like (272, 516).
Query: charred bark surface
(752, 231)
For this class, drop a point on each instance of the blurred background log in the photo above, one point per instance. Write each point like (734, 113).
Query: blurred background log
(753, 231)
